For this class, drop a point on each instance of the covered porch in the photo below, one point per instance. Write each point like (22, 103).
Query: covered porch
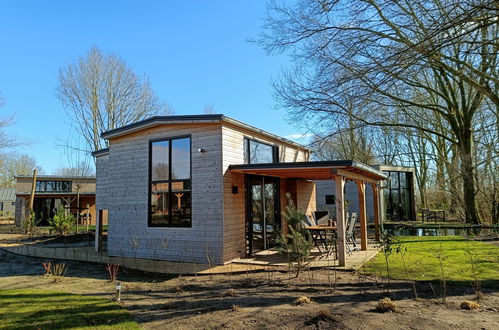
(339, 172)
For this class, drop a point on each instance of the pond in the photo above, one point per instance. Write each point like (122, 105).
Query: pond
(463, 231)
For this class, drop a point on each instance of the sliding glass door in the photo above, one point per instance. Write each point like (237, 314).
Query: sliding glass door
(263, 212)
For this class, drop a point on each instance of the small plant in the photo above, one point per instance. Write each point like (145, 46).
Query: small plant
(62, 222)
(385, 305)
(112, 270)
(402, 250)
(236, 308)
(475, 280)
(388, 244)
(324, 315)
(48, 268)
(298, 243)
(58, 271)
(443, 280)
(469, 305)
(29, 222)
(303, 300)
(179, 290)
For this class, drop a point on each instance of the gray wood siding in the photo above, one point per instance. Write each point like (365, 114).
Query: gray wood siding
(102, 182)
(351, 194)
(127, 201)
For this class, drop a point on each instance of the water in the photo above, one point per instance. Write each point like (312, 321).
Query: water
(463, 231)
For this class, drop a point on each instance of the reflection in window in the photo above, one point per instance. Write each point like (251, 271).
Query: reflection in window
(259, 153)
(170, 204)
(53, 186)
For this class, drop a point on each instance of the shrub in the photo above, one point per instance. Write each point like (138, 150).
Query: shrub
(303, 300)
(298, 243)
(385, 305)
(113, 269)
(62, 222)
(469, 305)
(29, 222)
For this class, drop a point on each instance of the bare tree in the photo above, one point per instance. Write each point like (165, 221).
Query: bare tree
(390, 55)
(13, 164)
(101, 92)
(79, 168)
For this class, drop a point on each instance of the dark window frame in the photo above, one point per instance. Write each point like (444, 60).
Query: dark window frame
(151, 182)
(247, 150)
(56, 186)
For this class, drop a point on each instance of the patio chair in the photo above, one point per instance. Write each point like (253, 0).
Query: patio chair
(308, 221)
(351, 245)
(321, 217)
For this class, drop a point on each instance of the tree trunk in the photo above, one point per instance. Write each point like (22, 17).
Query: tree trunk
(468, 174)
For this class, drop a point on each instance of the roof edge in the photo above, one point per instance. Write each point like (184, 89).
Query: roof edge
(187, 119)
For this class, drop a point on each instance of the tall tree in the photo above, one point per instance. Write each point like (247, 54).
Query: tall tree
(13, 164)
(387, 54)
(101, 92)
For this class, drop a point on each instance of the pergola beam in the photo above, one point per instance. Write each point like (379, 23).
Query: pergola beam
(361, 188)
(340, 218)
(355, 176)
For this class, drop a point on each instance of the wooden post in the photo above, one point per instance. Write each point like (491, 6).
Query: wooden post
(98, 231)
(340, 218)
(87, 217)
(77, 209)
(33, 187)
(376, 211)
(361, 188)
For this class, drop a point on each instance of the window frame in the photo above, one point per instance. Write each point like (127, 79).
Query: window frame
(247, 150)
(56, 186)
(151, 182)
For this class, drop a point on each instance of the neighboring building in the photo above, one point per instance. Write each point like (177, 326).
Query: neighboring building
(396, 195)
(204, 187)
(52, 192)
(7, 202)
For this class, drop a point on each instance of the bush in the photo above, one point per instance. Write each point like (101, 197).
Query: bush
(29, 222)
(385, 305)
(62, 222)
(298, 243)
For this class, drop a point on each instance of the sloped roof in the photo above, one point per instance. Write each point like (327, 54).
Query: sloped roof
(191, 119)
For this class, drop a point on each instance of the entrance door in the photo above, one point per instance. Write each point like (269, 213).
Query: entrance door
(264, 211)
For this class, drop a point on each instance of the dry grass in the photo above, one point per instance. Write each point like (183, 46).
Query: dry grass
(303, 300)
(230, 293)
(324, 315)
(469, 305)
(385, 305)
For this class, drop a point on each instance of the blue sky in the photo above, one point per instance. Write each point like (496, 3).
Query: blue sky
(194, 52)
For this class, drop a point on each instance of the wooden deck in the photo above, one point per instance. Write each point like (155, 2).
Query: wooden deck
(272, 259)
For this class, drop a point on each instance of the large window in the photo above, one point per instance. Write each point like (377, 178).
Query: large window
(170, 183)
(398, 201)
(53, 186)
(256, 152)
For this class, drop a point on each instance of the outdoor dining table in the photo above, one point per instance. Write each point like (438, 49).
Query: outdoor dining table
(325, 235)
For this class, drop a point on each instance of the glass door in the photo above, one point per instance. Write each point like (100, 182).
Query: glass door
(263, 215)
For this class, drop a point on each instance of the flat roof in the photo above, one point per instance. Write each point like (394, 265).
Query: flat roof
(190, 119)
(314, 170)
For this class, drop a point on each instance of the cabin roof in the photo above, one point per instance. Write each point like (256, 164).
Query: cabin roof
(190, 119)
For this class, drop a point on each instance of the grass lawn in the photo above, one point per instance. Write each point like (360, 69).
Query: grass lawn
(41, 309)
(423, 264)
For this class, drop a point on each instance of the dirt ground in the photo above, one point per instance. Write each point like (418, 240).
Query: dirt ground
(261, 300)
